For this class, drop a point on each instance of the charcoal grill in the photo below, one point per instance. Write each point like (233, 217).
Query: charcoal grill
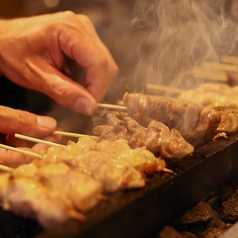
(138, 213)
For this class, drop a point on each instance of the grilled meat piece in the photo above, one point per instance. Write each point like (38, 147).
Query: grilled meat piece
(212, 95)
(177, 114)
(229, 120)
(116, 129)
(30, 198)
(206, 128)
(114, 164)
(157, 137)
(186, 117)
(225, 104)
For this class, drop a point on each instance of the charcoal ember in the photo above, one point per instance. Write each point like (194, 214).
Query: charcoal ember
(202, 212)
(169, 231)
(195, 220)
(214, 202)
(229, 210)
(212, 232)
(216, 198)
(216, 221)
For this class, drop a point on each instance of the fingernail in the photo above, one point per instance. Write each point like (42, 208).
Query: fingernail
(83, 105)
(46, 122)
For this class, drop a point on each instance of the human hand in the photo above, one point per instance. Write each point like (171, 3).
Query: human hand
(33, 52)
(22, 122)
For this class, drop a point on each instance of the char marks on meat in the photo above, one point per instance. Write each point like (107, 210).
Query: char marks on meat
(194, 122)
(156, 137)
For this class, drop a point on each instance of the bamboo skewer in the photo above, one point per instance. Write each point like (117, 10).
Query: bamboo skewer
(112, 106)
(216, 70)
(218, 75)
(219, 66)
(229, 59)
(6, 168)
(26, 152)
(37, 140)
(71, 134)
(163, 88)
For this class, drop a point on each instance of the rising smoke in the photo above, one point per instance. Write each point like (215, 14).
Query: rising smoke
(181, 34)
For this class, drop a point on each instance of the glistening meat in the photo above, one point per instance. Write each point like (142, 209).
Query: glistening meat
(156, 137)
(195, 123)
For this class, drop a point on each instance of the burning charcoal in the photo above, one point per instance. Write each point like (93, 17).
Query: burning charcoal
(229, 210)
(200, 213)
(214, 203)
(169, 231)
(195, 220)
(212, 232)
(216, 222)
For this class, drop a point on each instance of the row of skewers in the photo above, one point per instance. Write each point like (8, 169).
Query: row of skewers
(65, 181)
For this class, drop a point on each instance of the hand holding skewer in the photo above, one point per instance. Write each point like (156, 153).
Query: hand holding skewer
(11, 121)
(59, 55)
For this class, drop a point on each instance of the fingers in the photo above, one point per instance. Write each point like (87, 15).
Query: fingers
(22, 122)
(61, 88)
(33, 51)
(14, 159)
(84, 46)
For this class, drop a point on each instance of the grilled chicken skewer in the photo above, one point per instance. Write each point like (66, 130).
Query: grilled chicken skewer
(156, 137)
(193, 122)
(35, 190)
(115, 164)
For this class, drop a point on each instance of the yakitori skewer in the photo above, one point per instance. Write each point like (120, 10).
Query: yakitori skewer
(26, 152)
(70, 210)
(32, 139)
(71, 134)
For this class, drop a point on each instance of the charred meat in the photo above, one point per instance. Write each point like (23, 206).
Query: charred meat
(194, 122)
(156, 137)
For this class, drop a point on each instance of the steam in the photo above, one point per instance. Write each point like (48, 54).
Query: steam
(181, 34)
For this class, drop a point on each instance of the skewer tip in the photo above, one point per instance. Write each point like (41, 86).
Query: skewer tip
(78, 216)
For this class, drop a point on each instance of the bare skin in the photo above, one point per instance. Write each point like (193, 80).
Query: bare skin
(33, 53)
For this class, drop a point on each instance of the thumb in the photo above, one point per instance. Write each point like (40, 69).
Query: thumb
(23, 122)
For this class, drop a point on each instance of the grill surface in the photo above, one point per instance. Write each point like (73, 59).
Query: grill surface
(140, 212)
